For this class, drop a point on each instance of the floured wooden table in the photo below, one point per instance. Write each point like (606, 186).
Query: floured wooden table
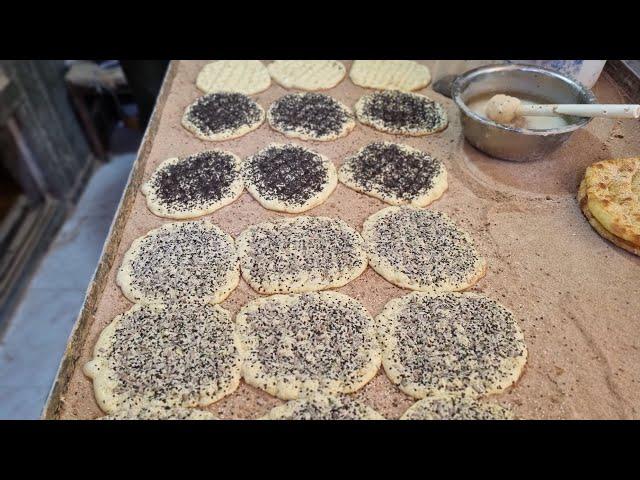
(576, 296)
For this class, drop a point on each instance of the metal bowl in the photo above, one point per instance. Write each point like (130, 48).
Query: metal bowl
(510, 142)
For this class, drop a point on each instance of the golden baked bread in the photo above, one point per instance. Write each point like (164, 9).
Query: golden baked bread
(613, 196)
(582, 200)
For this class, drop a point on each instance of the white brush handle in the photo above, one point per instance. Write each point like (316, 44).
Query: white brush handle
(581, 110)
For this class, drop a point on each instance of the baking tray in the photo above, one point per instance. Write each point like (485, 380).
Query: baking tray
(576, 296)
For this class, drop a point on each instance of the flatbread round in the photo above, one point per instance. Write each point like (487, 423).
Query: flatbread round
(613, 196)
(222, 116)
(158, 413)
(297, 345)
(584, 206)
(195, 185)
(164, 356)
(289, 178)
(404, 75)
(300, 254)
(241, 76)
(396, 174)
(456, 407)
(421, 250)
(450, 343)
(321, 407)
(401, 113)
(310, 116)
(307, 74)
(181, 260)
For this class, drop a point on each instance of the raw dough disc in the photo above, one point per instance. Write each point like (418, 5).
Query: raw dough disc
(401, 113)
(404, 75)
(456, 407)
(307, 74)
(241, 76)
(298, 345)
(582, 200)
(320, 407)
(181, 260)
(164, 356)
(300, 254)
(613, 196)
(421, 250)
(157, 413)
(310, 116)
(450, 343)
(397, 174)
(222, 116)
(194, 185)
(289, 178)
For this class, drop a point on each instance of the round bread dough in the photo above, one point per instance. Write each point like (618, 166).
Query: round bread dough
(297, 345)
(158, 413)
(310, 116)
(289, 178)
(450, 343)
(421, 250)
(321, 407)
(194, 185)
(456, 407)
(181, 260)
(597, 226)
(396, 174)
(401, 113)
(404, 75)
(222, 116)
(300, 254)
(169, 355)
(241, 76)
(613, 196)
(307, 74)
(502, 108)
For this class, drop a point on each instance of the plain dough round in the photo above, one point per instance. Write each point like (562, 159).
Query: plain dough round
(502, 108)
(403, 75)
(180, 260)
(384, 171)
(195, 207)
(456, 407)
(321, 407)
(158, 413)
(165, 356)
(450, 343)
(214, 101)
(303, 101)
(421, 250)
(307, 74)
(241, 76)
(298, 345)
(300, 254)
(395, 112)
(286, 175)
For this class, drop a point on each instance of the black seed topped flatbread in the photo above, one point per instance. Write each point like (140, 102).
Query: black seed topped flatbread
(421, 250)
(401, 112)
(222, 116)
(320, 407)
(180, 261)
(163, 356)
(450, 343)
(298, 345)
(310, 116)
(194, 185)
(300, 254)
(456, 407)
(289, 178)
(397, 174)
